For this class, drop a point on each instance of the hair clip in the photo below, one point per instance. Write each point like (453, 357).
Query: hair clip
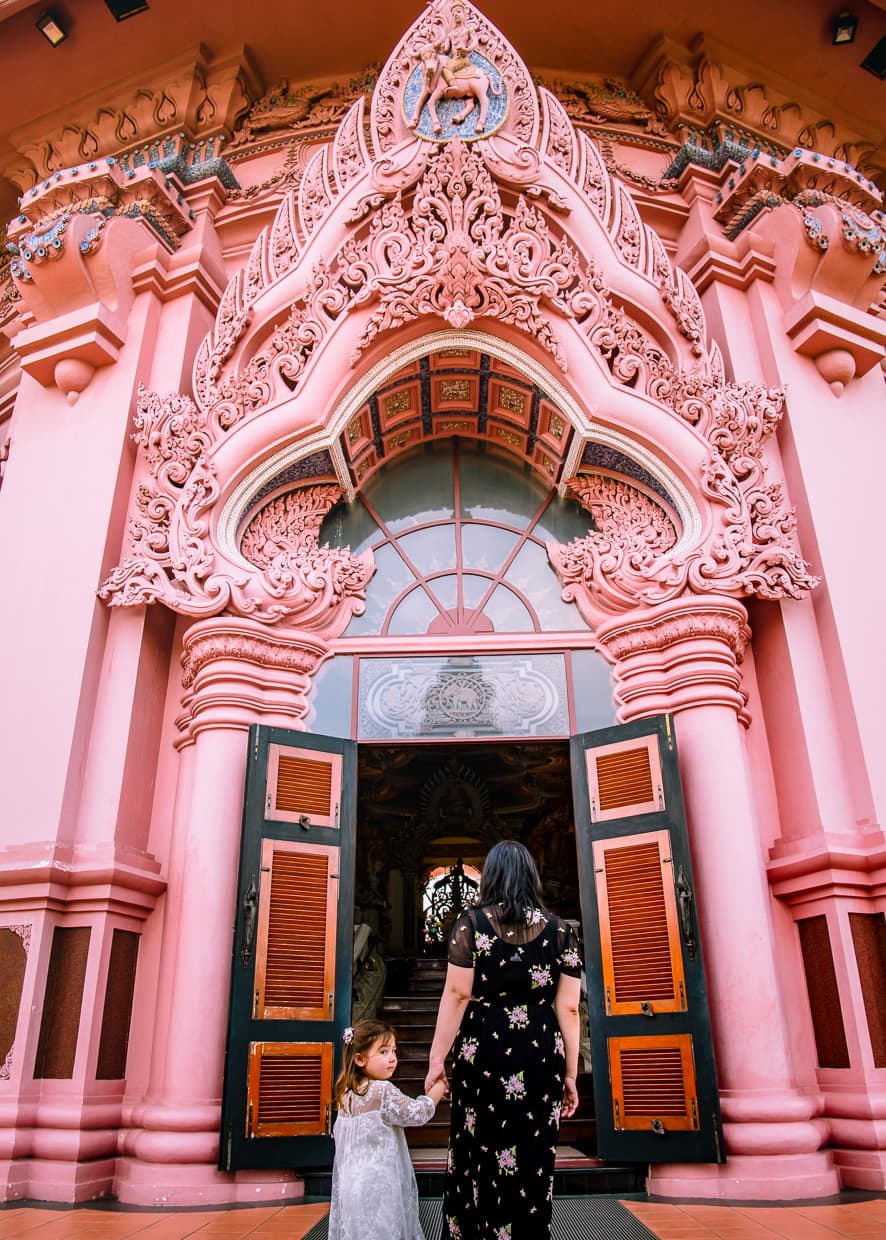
(348, 1036)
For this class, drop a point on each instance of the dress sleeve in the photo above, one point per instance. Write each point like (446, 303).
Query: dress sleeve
(400, 1111)
(568, 954)
(461, 941)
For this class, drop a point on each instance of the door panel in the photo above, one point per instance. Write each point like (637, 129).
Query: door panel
(291, 975)
(653, 1065)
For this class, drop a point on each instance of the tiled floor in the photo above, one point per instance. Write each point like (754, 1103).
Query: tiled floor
(856, 1220)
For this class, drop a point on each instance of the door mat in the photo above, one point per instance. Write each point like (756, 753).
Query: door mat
(575, 1218)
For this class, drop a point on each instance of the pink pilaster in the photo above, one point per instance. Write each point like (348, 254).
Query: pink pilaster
(683, 657)
(236, 672)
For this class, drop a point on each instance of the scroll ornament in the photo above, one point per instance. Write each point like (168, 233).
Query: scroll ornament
(753, 550)
(285, 575)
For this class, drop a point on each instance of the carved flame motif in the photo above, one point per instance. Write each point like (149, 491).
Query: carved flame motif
(455, 255)
(173, 560)
(617, 564)
(282, 540)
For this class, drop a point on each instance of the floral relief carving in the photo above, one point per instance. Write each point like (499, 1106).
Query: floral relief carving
(615, 564)
(171, 555)
(454, 254)
(753, 549)
(282, 540)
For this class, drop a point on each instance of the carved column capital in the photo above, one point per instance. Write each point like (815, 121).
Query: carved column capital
(679, 655)
(236, 672)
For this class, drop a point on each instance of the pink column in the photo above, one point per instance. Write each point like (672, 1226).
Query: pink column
(683, 657)
(236, 672)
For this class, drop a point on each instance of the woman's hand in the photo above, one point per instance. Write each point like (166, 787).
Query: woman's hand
(570, 1098)
(436, 1072)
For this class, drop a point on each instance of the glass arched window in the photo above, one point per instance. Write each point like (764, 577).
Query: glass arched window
(458, 535)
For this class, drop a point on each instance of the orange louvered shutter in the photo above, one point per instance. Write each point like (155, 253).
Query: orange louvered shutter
(291, 978)
(642, 960)
(296, 937)
(289, 1089)
(653, 1066)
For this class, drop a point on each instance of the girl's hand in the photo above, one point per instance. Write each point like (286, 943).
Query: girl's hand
(436, 1072)
(570, 1098)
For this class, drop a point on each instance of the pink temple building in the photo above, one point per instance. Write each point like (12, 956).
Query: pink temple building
(424, 425)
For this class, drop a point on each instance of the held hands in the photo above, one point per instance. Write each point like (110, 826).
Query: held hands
(570, 1098)
(436, 1076)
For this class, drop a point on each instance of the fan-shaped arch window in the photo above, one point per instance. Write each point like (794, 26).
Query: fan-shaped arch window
(458, 536)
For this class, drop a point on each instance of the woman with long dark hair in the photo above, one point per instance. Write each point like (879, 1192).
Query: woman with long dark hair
(510, 1005)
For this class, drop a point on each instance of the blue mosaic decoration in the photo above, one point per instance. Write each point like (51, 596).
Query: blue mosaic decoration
(189, 161)
(448, 108)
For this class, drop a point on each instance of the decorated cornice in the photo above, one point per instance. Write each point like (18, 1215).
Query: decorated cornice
(189, 101)
(699, 94)
(284, 574)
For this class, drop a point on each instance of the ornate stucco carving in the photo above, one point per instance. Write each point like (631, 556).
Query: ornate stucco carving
(387, 229)
(389, 123)
(612, 564)
(453, 255)
(305, 109)
(753, 551)
(607, 102)
(285, 574)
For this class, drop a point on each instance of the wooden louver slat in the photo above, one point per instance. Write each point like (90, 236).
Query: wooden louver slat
(640, 934)
(289, 1088)
(295, 957)
(624, 779)
(303, 786)
(653, 1082)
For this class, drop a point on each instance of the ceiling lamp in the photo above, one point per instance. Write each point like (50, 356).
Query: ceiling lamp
(51, 28)
(122, 9)
(845, 26)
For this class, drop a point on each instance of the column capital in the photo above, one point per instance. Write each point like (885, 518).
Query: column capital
(236, 672)
(678, 655)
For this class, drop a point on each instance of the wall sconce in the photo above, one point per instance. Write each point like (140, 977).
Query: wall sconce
(845, 26)
(51, 28)
(121, 9)
(875, 61)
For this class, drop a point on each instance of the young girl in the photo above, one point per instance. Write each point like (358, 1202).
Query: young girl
(374, 1195)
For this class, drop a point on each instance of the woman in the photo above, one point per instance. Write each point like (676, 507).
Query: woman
(511, 997)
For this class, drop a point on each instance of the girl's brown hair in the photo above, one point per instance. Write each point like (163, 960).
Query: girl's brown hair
(362, 1038)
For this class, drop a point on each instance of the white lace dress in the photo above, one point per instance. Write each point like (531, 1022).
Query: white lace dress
(374, 1196)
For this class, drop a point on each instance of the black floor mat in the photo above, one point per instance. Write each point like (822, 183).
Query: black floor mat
(575, 1218)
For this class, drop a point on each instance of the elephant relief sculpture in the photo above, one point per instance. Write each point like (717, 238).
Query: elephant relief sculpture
(447, 72)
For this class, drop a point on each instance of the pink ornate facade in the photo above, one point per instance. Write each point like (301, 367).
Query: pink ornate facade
(211, 340)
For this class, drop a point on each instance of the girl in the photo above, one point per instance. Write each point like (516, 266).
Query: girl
(374, 1195)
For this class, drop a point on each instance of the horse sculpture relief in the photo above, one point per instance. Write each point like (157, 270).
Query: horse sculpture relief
(447, 72)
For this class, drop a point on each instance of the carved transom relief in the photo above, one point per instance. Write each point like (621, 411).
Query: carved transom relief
(388, 230)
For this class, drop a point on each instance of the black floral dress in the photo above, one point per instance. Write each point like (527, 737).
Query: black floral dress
(507, 1077)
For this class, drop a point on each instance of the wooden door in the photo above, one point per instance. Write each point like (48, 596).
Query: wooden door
(291, 974)
(653, 1064)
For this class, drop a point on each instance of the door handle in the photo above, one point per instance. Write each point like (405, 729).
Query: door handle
(684, 903)
(250, 908)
